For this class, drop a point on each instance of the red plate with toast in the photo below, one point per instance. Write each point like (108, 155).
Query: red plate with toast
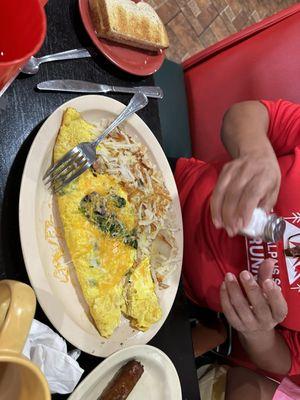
(130, 59)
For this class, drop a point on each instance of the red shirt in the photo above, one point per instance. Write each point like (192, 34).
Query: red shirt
(210, 253)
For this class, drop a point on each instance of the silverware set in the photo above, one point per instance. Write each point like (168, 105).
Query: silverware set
(76, 86)
(81, 157)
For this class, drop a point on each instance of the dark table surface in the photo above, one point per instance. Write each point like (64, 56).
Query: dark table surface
(22, 111)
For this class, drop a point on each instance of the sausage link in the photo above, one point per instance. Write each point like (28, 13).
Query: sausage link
(123, 382)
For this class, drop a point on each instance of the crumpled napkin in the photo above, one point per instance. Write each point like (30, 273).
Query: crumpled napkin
(49, 352)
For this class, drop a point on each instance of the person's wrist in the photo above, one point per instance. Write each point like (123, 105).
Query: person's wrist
(256, 151)
(257, 336)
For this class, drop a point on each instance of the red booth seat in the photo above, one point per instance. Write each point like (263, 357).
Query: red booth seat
(262, 61)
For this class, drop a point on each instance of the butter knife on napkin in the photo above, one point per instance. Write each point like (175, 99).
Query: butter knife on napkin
(70, 85)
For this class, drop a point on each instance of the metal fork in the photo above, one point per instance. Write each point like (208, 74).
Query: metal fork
(81, 157)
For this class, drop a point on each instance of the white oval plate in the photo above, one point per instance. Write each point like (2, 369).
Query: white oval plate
(61, 298)
(158, 382)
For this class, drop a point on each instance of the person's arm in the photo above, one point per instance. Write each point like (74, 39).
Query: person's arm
(255, 315)
(245, 128)
(252, 179)
(242, 383)
(268, 350)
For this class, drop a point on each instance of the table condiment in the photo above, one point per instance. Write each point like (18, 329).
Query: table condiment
(267, 227)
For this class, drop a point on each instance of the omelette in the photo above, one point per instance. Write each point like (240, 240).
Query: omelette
(99, 224)
(141, 300)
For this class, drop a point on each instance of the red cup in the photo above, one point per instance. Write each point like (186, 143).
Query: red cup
(22, 32)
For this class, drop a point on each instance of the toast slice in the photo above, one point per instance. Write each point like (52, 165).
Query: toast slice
(126, 22)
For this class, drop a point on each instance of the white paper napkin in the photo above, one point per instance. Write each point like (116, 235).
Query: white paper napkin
(49, 351)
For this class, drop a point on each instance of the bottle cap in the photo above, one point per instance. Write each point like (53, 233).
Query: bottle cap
(275, 229)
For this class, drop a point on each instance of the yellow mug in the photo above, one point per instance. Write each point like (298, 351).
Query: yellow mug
(20, 379)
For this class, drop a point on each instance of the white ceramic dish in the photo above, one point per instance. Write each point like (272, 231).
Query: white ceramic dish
(158, 382)
(48, 266)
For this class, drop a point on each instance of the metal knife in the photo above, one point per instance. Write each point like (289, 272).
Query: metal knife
(70, 85)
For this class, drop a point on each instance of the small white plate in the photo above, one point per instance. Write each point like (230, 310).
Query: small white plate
(158, 382)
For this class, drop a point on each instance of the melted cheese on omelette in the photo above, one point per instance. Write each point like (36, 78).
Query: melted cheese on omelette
(100, 260)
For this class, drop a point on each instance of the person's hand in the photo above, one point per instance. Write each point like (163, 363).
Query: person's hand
(245, 183)
(262, 306)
